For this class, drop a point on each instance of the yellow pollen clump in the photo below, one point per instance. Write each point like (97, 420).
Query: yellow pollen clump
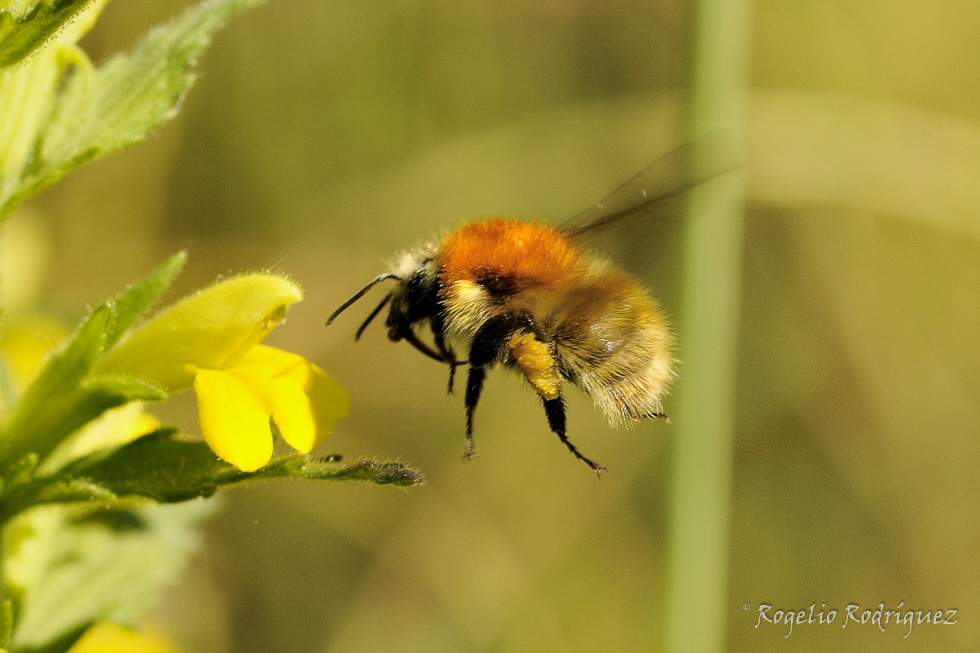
(534, 359)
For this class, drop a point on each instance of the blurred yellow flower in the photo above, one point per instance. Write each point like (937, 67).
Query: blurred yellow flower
(26, 339)
(110, 638)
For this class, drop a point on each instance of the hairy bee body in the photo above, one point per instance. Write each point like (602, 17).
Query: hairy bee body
(530, 297)
(604, 333)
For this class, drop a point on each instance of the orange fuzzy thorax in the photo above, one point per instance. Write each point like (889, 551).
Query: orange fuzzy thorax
(528, 253)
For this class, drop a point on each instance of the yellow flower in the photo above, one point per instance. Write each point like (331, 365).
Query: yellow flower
(235, 404)
(109, 638)
(211, 340)
(212, 329)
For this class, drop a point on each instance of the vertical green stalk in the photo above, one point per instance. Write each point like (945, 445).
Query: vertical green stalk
(704, 411)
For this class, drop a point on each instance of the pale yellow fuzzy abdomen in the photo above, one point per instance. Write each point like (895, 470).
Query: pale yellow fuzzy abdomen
(612, 340)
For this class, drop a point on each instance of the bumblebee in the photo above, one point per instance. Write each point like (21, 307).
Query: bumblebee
(532, 298)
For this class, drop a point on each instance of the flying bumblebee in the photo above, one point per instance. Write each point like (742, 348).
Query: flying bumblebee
(530, 297)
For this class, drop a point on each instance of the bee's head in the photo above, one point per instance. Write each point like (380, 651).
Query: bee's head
(414, 296)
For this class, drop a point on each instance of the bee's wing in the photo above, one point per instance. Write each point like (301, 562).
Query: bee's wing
(668, 177)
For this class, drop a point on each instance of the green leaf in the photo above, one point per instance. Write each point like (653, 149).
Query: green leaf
(66, 396)
(62, 644)
(46, 402)
(51, 489)
(22, 32)
(119, 103)
(69, 409)
(97, 394)
(135, 300)
(21, 470)
(166, 468)
(330, 468)
(6, 622)
(70, 568)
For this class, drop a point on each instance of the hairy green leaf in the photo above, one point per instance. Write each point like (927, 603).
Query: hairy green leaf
(70, 568)
(48, 490)
(297, 466)
(120, 102)
(28, 28)
(165, 468)
(135, 300)
(65, 396)
(49, 400)
(69, 409)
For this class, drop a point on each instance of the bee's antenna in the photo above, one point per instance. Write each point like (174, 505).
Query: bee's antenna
(374, 314)
(360, 293)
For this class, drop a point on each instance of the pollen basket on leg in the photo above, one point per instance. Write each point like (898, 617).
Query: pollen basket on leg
(528, 254)
(536, 362)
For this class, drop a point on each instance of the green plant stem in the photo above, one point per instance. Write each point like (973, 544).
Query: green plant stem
(703, 431)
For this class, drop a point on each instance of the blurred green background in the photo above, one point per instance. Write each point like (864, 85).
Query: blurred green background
(323, 137)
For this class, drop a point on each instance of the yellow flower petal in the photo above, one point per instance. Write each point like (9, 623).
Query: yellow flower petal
(328, 400)
(274, 361)
(305, 402)
(293, 414)
(109, 638)
(234, 419)
(211, 329)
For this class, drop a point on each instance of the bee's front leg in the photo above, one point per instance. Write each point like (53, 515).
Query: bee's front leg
(437, 323)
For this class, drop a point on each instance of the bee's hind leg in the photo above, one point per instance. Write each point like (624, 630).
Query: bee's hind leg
(555, 411)
(474, 386)
(535, 359)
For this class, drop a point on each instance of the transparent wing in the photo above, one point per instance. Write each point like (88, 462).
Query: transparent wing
(668, 177)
